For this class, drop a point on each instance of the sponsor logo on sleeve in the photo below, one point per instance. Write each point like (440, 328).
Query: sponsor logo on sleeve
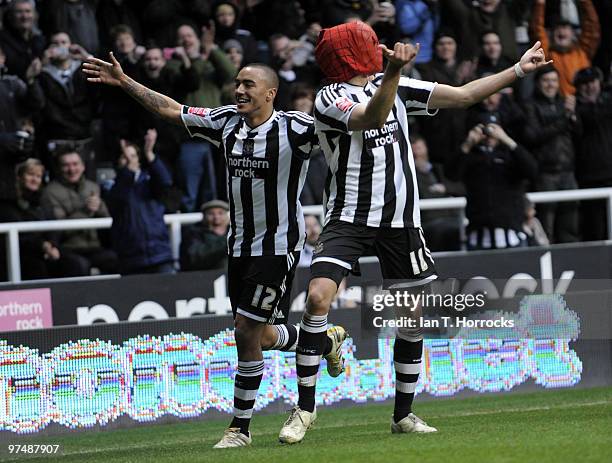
(198, 111)
(344, 104)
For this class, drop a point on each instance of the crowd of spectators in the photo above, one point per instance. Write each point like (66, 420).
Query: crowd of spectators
(60, 136)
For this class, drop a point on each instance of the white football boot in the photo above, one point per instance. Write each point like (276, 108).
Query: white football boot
(335, 361)
(232, 437)
(411, 423)
(297, 424)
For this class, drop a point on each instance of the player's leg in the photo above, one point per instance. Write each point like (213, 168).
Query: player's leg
(406, 265)
(340, 246)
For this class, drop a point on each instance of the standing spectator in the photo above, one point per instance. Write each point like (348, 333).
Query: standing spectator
(19, 39)
(382, 20)
(70, 103)
(503, 106)
(419, 20)
(75, 17)
(594, 148)
(494, 168)
(549, 128)
(16, 142)
(568, 52)
(71, 196)
(445, 69)
(213, 69)
(39, 252)
(139, 234)
(474, 18)
(227, 27)
(441, 227)
(117, 111)
(204, 246)
(492, 59)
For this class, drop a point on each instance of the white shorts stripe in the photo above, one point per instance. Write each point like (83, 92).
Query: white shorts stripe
(408, 388)
(251, 316)
(332, 261)
(408, 368)
(311, 329)
(413, 283)
(415, 267)
(424, 265)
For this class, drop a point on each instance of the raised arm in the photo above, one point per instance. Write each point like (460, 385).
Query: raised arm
(100, 71)
(446, 96)
(374, 114)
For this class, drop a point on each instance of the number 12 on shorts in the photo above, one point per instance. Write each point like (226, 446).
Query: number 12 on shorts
(264, 298)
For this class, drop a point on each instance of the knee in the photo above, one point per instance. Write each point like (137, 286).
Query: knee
(320, 297)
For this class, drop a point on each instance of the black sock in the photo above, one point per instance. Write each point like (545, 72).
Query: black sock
(311, 343)
(407, 360)
(246, 384)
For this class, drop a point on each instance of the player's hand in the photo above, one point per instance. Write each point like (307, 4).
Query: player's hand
(402, 54)
(533, 58)
(103, 72)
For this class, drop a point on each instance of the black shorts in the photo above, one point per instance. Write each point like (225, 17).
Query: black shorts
(404, 258)
(260, 287)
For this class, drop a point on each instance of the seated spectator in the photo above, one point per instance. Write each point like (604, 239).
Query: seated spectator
(71, 196)
(139, 234)
(494, 168)
(20, 40)
(568, 51)
(593, 148)
(17, 100)
(213, 69)
(227, 27)
(40, 255)
(549, 129)
(204, 245)
(532, 227)
(75, 17)
(313, 231)
(70, 102)
(441, 227)
(419, 20)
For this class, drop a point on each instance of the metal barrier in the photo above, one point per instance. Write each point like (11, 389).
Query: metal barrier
(176, 221)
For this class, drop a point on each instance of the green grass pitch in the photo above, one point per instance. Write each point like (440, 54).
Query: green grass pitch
(548, 426)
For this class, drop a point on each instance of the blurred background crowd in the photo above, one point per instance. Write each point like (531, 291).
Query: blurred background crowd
(69, 149)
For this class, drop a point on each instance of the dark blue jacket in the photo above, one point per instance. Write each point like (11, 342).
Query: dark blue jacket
(139, 234)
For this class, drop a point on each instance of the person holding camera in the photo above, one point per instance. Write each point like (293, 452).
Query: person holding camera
(494, 168)
(70, 105)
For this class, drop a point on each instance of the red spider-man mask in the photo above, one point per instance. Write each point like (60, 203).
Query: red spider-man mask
(348, 50)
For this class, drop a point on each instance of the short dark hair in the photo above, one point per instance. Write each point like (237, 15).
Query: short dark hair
(487, 32)
(119, 29)
(64, 151)
(271, 75)
(414, 137)
(544, 70)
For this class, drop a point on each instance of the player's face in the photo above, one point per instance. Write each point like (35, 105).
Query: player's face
(32, 178)
(491, 46)
(252, 91)
(563, 36)
(225, 15)
(549, 84)
(72, 167)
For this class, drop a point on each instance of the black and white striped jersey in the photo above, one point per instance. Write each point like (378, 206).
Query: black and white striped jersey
(266, 168)
(371, 178)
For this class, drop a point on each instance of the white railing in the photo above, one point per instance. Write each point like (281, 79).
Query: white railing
(176, 221)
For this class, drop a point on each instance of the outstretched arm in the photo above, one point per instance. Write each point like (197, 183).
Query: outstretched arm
(445, 96)
(375, 113)
(100, 71)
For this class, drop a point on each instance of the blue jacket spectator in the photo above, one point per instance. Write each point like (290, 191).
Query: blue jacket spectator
(139, 234)
(417, 20)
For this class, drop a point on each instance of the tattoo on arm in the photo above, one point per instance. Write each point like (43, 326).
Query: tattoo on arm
(151, 100)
